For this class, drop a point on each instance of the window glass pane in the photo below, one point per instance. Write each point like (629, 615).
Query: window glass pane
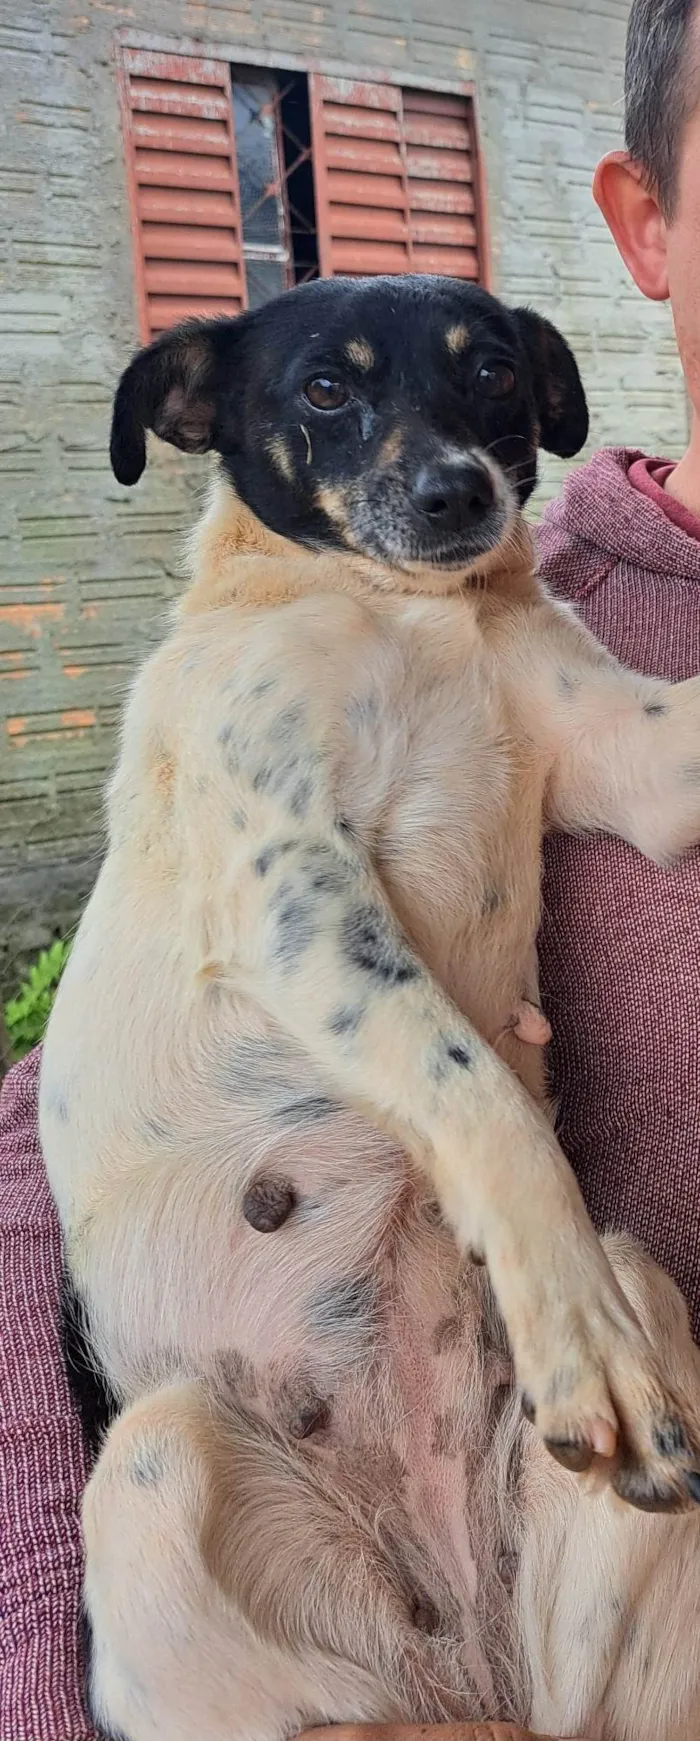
(258, 161)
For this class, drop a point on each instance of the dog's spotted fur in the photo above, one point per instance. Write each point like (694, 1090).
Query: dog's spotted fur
(284, 1087)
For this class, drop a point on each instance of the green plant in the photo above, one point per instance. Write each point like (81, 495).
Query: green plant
(26, 1014)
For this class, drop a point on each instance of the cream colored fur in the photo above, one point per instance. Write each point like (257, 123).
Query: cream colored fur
(302, 963)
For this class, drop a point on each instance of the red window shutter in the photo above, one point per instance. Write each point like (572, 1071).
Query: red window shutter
(396, 180)
(183, 187)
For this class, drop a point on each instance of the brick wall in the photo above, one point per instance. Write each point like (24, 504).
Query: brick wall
(87, 569)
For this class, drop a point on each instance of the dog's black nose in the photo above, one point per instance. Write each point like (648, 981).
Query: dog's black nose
(453, 495)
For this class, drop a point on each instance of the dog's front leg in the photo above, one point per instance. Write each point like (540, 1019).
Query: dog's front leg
(318, 946)
(623, 751)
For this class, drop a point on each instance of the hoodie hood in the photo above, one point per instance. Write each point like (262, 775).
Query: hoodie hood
(601, 506)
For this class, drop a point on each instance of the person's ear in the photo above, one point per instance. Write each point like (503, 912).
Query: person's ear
(635, 220)
(173, 387)
(561, 402)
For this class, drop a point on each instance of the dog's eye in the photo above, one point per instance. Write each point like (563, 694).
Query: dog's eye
(325, 393)
(495, 380)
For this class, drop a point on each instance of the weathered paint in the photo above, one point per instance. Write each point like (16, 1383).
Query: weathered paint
(396, 179)
(177, 120)
(86, 569)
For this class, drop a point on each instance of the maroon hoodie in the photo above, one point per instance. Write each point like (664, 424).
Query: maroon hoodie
(620, 943)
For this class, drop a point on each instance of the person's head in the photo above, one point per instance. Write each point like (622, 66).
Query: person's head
(649, 194)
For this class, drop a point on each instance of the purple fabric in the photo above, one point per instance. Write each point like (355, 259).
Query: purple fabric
(43, 1465)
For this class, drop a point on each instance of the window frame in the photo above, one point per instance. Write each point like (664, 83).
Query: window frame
(235, 53)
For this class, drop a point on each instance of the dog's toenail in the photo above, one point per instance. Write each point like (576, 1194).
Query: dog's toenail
(527, 1406)
(634, 1486)
(573, 1454)
(692, 1482)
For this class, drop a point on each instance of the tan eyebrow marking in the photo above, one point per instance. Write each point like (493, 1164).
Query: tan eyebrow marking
(391, 448)
(359, 351)
(333, 503)
(457, 337)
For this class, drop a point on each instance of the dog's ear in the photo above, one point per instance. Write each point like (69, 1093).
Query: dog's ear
(172, 387)
(559, 395)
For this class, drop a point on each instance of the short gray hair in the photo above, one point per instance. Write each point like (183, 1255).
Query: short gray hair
(660, 90)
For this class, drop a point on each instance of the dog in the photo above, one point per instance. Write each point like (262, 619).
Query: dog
(320, 1238)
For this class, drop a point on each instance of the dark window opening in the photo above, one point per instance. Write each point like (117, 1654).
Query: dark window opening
(273, 148)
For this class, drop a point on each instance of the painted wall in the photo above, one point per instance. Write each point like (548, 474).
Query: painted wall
(86, 569)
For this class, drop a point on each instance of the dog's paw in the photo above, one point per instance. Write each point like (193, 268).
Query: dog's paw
(602, 1404)
(669, 823)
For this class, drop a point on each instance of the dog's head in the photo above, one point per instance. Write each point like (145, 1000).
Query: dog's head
(396, 418)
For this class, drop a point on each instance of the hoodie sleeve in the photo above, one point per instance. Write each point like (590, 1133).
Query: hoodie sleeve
(568, 564)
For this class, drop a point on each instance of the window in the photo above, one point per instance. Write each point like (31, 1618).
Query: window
(244, 181)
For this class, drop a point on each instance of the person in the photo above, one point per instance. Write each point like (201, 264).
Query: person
(620, 965)
(619, 951)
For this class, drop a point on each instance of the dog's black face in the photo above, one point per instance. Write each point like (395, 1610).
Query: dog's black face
(398, 418)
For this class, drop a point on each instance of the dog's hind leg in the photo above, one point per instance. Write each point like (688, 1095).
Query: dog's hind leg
(231, 1594)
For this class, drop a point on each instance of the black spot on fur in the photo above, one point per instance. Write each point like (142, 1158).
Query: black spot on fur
(264, 861)
(669, 1438)
(270, 854)
(295, 928)
(94, 1399)
(432, 1213)
(147, 1466)
(447, 1335)
(343, 1306)
(655, 709)
(567, 683)
(425, 1617)
(268, 1203)
(447, 1434)
(58, 1105)
(347, 1019)
(327, 873)
(447, 1054)
(561, 1384)
(371, 944)
(301, 796)
(311, 1108)
(312, 1417)
(288, 723)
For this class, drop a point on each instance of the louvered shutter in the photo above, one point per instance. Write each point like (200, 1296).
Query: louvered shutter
(396, 180)
(183, 186)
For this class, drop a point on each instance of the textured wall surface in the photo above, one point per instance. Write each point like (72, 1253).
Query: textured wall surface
(86, 569)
